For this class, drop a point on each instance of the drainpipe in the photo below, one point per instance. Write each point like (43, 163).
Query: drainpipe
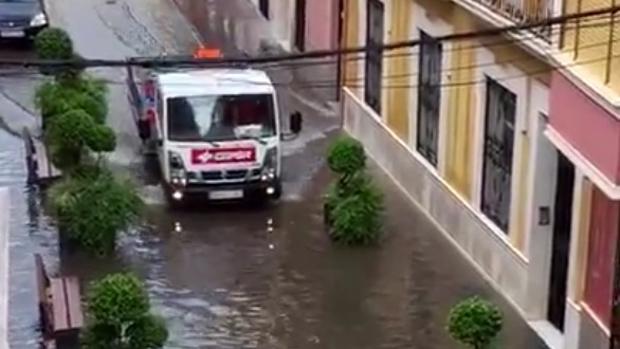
(339, 47)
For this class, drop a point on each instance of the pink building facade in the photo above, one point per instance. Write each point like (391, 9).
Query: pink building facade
(322, 24)
(586, 130)
(592, 130)
(321, 28)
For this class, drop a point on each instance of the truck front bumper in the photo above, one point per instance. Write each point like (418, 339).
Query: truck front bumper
(226, 191)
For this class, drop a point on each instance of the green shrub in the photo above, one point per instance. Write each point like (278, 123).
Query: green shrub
(54, 98)
(92, 207)
(475, 323)
(353, 205)
(56, 44)
(118, 299)
(356, 216)
(101, 138)
(66, 138)
(53, 43)
(346, 156)
(71, 134)
(119, 308)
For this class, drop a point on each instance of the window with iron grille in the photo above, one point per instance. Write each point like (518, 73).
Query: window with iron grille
(374, 55)
(498, 152)
(429, 95)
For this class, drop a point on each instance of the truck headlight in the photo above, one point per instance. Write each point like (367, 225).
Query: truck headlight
(270, 165)
(40, 19)
(177, 169)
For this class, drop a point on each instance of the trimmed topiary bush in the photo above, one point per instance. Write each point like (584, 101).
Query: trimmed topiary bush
(65, 137)
(346, 156)
(356, 217)
(70, 135)
(101, 138)
(353, 205)
(54, 98)
(91, 207)
(475, 323)
(120, 310)
(53, 43)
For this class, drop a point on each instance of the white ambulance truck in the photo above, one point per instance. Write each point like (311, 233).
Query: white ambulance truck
(216, 132)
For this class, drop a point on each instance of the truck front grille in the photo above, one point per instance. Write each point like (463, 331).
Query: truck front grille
(211, 175)
(236, 174)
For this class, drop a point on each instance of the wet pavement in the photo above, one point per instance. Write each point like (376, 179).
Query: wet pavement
(228, 280)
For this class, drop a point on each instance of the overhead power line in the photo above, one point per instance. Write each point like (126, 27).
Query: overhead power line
(321, 84)
(171, 62)
(589, 23)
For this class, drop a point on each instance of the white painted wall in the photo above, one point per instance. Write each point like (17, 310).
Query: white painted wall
(4, 267)
(540, 237)
(281, 21)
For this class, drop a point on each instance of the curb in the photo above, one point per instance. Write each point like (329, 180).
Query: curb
(4, 267)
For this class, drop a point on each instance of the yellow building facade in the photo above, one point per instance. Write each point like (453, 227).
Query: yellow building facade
(451, 180)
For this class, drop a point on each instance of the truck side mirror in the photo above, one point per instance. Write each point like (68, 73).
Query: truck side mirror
(296, 122)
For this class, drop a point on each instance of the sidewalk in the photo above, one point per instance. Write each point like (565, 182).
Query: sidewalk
(4, 267)
(439, 275)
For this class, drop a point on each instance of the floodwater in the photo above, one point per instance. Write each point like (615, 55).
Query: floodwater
(230, 279)
(237, 277)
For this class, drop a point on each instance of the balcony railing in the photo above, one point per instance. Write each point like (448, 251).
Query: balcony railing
(524, 11)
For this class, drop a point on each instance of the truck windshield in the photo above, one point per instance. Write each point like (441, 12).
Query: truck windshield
(220, 117)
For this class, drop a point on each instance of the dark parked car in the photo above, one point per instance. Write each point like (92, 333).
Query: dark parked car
(21, 19)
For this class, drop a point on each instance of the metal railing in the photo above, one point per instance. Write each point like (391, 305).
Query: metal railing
(524, 11)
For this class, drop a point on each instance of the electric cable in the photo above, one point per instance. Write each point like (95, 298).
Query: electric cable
(163, 62)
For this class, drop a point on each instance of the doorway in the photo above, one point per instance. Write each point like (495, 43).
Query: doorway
(263, 6)
(561, 242)
(300, 25)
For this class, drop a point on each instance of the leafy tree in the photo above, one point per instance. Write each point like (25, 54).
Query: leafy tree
(120, 311)
(475, 323)
(92, 207)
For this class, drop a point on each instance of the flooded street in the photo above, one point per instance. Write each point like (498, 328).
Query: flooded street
(236, 277)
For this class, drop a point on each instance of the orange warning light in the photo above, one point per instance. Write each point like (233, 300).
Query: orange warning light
(203, 52)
